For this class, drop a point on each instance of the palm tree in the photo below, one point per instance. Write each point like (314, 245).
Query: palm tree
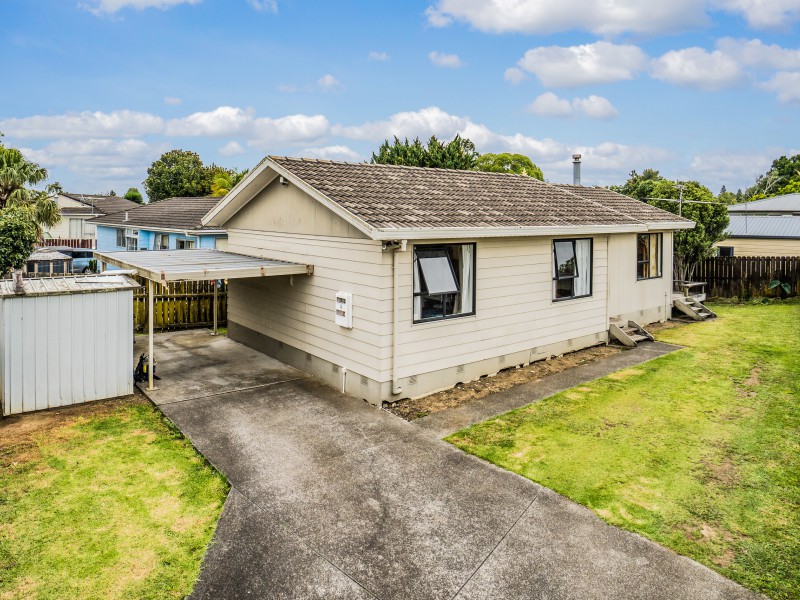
(16, 173)
(225, 181)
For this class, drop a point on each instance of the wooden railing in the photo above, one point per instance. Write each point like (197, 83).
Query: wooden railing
(180, 305)
(748, 276)
(71, 242)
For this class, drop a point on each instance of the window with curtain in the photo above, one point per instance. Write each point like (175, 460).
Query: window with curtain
(648, 255)
(75, 228)
(121, 238)
(444, 281)
(572, 268)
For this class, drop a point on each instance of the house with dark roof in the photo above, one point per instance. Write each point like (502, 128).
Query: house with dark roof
(768, 227)
(77, 210)
(424, 278)
(170, 224)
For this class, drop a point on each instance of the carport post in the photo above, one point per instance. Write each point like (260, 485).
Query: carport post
(150, 285)
(214, 281)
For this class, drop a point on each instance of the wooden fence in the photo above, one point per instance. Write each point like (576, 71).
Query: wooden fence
(748, 276)
(180, 305)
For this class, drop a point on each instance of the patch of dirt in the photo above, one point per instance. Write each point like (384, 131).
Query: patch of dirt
(671, 324)
(506, 379)
(18, 432)
(753, 380)
(723, 472)
(725, 559)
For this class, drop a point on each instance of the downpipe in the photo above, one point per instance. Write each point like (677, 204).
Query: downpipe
(396, 247)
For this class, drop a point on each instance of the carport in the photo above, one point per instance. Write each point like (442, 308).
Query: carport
(163, 266)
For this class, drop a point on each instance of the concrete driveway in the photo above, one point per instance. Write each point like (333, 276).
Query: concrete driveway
(333, 498)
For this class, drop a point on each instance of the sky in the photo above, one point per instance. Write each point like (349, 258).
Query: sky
(707, 90)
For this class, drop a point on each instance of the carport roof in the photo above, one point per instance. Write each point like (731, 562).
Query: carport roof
(199, 265)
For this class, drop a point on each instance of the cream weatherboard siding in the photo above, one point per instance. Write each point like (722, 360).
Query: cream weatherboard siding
(645, 301)
(763, 246)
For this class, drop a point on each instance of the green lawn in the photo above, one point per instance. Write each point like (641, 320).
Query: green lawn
(698, 450)
(108, 501)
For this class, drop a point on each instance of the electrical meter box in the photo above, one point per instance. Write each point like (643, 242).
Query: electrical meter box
(344, 309)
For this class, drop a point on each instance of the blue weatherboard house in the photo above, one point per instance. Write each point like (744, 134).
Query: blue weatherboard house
(171, 224)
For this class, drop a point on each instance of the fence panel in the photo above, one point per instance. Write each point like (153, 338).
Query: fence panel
(748, 276)
(180, 305)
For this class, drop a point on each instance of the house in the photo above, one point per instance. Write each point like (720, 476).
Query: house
(76, 210)
(768, 227)
(424, 278)
(170, 224)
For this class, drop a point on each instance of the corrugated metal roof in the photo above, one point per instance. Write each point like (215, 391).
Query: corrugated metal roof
(54, 286)
(199, 265)
(764, 226)
(787, 203)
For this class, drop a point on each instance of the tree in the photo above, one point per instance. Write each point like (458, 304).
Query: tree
(134, 195)
(640, 186)
(16, 173)
(508, 163)
(458, 153)
(782, 178)
(225, 181)
(18, 235)
(178, 173)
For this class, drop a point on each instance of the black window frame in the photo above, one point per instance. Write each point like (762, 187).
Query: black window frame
(121, 236)
(639, 262)
(414, 294)
(558, 277)
(728, 251)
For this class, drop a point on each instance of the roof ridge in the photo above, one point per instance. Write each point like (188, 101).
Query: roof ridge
(328, 161)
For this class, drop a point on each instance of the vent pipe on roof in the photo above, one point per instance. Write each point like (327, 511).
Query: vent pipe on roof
(576, 169)
(126, 215)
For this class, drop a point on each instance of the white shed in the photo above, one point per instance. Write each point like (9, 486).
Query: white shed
(65, 341)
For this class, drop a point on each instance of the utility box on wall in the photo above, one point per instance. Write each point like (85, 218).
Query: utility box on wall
(344, 309)
(65, 341)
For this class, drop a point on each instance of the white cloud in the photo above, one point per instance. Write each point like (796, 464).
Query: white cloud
(550, 105)
(286, 88)
(102, 159)
(440, 59)
(87, 124)
(172, 100)
(378, 56)
(232, 148)
(514, 75)
(754, 53)
(786, 84)
(332, 153)
(222, 121)
(762, 14)
(288, 130)
(109, 7)
(600, 62)
(329, 83)
(422, 123)
(697, 68)
(595, 107)
(264, 5)
(602, 17)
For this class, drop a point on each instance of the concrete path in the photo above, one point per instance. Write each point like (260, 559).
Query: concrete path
(449, 421)
(333, 498)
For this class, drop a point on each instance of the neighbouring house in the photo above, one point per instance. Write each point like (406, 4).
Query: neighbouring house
(768, 227)
(46, 262)
(170, 224)
(424, 278)
(76, 211)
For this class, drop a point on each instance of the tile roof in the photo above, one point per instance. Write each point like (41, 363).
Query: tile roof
(389, 197)
(789, 203)
(625, 204)
(106, 205)
(171, 213)
(759, 226)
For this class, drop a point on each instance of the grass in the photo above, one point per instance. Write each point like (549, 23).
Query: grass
(108, 502)
(698, 450)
